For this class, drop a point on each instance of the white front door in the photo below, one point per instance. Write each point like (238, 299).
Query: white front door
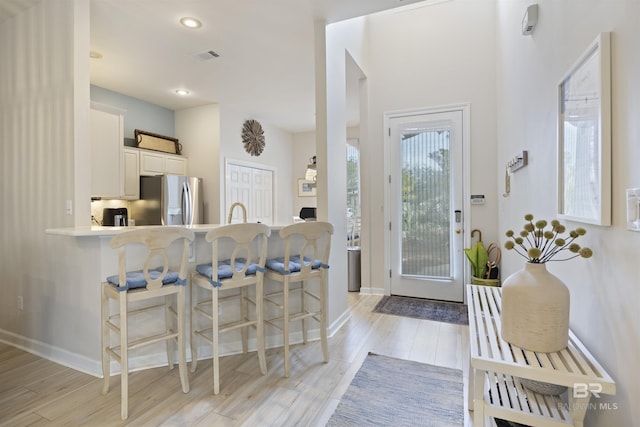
(426, 195)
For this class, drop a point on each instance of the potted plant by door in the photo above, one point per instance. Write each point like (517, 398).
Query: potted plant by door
(484, 262)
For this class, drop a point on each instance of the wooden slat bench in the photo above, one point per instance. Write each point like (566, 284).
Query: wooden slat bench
(496, 366)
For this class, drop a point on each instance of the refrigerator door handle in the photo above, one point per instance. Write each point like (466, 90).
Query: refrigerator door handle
(187, 215)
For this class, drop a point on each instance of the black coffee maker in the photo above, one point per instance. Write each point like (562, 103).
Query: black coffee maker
(117, 217)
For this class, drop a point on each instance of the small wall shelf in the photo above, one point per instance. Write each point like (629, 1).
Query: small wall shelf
(518, 162)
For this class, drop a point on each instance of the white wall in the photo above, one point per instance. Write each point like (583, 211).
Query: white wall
(198, 130)
(44, 136)
(605, 290)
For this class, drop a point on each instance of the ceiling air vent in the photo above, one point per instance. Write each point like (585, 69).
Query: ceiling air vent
(207, 54)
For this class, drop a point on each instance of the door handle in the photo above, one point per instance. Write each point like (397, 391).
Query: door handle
(187, 216)
(458, 216)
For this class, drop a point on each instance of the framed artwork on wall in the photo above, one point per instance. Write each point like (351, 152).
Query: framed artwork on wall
(584, 137)
(306, 188)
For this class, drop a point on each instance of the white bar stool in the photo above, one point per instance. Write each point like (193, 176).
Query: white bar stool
(247, 244)
(306, 257)
(154, 280)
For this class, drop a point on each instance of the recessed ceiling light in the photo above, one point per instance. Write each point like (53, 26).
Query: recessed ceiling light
(182, 92)
(190, 22)
(95, 55)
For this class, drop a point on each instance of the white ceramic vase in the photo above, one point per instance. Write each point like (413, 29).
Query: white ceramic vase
(535, 309)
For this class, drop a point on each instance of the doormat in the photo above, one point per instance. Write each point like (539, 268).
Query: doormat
(394, 392)
(426, 309)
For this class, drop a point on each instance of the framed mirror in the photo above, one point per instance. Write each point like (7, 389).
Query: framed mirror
(584, 137)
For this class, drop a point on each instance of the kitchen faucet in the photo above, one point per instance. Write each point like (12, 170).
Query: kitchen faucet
(244, 212)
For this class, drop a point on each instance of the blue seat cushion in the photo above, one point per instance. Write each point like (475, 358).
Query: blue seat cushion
(277, 264)
(135, 279)
(225, 271)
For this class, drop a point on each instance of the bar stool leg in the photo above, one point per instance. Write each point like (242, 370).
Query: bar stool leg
(244, 315)
(182, 356)
(124, 357)
(285, 324)
(106, 336)
(260, 327)
(168, 321)
(323, 316)
(193, 297)
(214, 337)
(303, 304)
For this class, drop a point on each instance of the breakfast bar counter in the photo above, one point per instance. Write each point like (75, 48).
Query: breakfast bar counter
(94, 231)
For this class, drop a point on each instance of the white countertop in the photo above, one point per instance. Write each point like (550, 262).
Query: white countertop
(96, 231)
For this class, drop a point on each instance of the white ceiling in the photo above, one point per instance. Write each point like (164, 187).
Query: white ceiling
(266, 48)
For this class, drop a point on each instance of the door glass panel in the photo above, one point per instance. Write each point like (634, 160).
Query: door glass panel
(426, 207)
(353, 195)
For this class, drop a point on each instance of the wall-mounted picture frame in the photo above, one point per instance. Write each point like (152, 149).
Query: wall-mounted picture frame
(584, 137)
(306, 188)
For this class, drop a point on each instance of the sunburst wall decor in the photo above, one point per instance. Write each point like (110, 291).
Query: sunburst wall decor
(253, 137)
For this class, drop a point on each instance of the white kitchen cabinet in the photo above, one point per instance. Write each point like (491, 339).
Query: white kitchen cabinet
(107, 162)
(175, 165)
(131, 173)
(156, 163)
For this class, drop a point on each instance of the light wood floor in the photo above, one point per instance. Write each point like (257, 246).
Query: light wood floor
(35, 392)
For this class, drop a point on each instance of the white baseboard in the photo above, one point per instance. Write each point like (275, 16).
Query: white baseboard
(53, 353)
(371, 291)
(152, 360)
(339, 322)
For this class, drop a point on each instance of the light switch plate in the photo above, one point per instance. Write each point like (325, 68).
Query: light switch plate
(633, 209)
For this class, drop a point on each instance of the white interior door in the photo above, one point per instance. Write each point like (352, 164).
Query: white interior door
(253, 187)
(262, 190)
(426, 205)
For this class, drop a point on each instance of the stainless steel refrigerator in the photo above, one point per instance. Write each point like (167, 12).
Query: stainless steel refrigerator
(169, 200)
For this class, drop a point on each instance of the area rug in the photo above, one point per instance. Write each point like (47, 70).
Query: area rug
(440, 311)
(395, 392)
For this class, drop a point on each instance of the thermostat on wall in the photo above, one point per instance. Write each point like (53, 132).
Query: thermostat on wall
(529, 20)
(477, 199)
